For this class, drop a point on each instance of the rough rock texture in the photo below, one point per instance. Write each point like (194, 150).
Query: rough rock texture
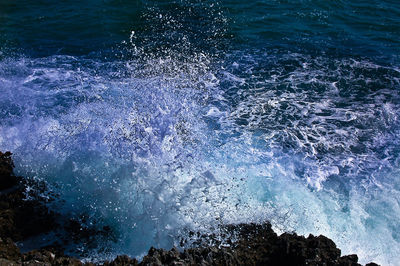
(256, 244)
(7, 177)
(19, 217)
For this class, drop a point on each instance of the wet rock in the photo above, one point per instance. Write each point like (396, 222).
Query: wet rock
(257, 245)
(349, 260)
(43, 256)
(21, 218)
(5, 262)
(123, 260)
(8, 250)
(7, 177)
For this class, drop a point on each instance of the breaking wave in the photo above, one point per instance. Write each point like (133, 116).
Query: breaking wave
(161, 142)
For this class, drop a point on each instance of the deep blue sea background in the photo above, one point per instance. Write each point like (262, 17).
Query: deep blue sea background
(154, 118)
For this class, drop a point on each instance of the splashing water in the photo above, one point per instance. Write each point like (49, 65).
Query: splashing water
(172, 137)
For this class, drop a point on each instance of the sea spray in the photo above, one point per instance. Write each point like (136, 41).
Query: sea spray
(184, 126)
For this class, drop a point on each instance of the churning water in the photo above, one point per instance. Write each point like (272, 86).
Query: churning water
(155, 118)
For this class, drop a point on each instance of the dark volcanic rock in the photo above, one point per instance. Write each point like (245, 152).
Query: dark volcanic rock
(255, 244)
(49, 257)
(19, 218)
(122, 261)
(8, 250)
(7, 178)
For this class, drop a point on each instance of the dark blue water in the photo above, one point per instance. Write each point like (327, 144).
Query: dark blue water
(154, 118)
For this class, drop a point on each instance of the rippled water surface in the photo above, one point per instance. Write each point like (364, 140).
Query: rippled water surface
(154, 118)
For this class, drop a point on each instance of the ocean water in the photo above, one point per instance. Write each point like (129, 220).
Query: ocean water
(156, 118)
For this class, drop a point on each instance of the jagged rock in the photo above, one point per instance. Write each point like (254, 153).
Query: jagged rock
(257, 245)
(5, 262)
(8, 250)
(123, 260)
(7, 177)
(19, 218)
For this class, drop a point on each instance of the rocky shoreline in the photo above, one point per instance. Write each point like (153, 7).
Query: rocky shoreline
(256, 244)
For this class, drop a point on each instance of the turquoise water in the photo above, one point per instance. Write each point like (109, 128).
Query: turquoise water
(155, 118)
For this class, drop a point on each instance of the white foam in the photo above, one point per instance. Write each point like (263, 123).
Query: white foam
(143, 152)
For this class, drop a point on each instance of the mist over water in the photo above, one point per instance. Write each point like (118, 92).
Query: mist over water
(158, 119)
